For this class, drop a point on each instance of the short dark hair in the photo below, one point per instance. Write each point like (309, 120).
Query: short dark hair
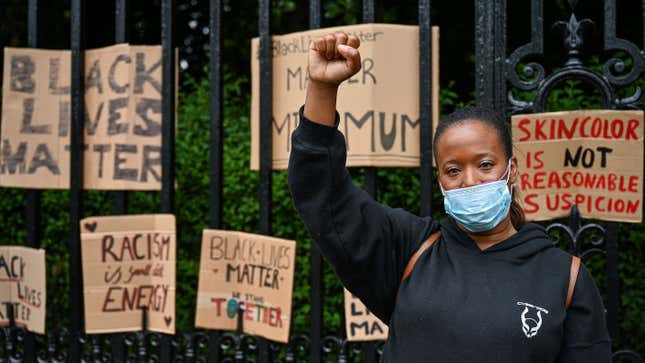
(481, 114)
(496, 122)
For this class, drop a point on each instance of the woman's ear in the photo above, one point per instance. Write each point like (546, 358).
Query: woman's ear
(514, 170)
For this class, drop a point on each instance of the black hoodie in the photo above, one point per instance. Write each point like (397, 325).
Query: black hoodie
(459, 304)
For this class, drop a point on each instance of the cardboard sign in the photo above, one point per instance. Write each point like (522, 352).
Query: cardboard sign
(23, 284)
(128, 266)
(249, 272)
(378, 107)
(590, 158)
(360, 323)
(122, 118)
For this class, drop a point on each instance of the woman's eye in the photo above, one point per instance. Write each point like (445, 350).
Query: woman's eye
(486, 164)
(452, 171)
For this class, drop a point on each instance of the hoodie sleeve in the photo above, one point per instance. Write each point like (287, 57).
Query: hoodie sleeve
(368, 244)
(585, 331)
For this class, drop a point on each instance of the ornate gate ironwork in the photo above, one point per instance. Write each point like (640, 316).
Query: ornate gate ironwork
(496, 73)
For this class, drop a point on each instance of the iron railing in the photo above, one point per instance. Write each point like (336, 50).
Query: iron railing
(495, 71)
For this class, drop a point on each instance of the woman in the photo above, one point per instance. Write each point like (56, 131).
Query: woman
(489, 288)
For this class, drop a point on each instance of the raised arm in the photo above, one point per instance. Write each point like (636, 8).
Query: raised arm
(367, 243)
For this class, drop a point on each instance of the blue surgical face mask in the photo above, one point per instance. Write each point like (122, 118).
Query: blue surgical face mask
(480, 207)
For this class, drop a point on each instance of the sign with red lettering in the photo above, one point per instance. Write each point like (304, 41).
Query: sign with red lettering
(360, 323)
(589, 158)
(129, 266)
(249, 278)
(23, 286)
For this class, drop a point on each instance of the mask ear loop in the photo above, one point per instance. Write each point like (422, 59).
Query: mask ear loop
(508, 177)
(507, 172)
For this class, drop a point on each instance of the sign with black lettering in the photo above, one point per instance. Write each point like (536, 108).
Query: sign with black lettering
(378, 107)
(589, 158)
(128, 266)
(23, 285)
(247, 274)
(122, 138)
(360, 323)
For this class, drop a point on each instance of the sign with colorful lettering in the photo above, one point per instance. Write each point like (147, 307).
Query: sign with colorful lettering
(360, 323)
(589, 158)
(378, 107)
(247, 274)
(129, 266)
(122, 118)
(23, 285)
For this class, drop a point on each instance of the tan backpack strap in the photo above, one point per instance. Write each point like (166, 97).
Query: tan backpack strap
(573, 276)
(424, 246)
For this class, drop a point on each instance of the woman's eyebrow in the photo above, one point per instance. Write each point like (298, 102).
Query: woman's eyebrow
(449, 161)
(476, 156)
(484, 154)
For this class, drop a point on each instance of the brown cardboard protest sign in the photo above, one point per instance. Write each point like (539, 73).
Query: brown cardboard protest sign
(589, 158)
(122, 123)
(249, 272)
(128, 266)
(360, 323)
(378, 107)
(23, 284)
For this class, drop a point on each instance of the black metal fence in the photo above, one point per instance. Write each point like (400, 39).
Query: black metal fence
(496, 72)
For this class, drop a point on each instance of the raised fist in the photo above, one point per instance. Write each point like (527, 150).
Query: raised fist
(334, 58)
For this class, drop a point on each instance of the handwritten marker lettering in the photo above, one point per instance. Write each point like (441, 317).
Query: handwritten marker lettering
(247, 276)
(589, 158)
(23, 287)
(128, 267)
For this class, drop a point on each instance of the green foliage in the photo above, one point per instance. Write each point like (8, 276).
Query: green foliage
(343, 11)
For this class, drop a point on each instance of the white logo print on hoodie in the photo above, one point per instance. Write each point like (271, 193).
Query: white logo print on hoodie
(531, 324)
